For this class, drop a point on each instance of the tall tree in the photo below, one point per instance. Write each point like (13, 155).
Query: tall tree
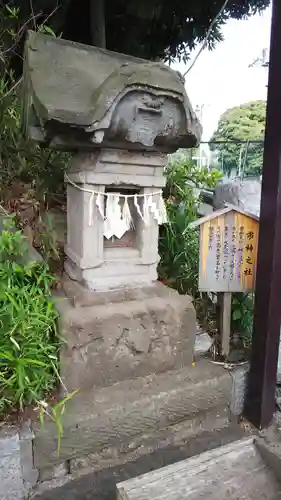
(151, 29)
(241, 124)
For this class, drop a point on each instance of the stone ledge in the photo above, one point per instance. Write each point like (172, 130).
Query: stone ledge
(118, 414)
(83, 297)
(124, 334)
(186, 439)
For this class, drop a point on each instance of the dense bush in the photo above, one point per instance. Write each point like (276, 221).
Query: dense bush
(178, 243)
(21, 160)
(28, 340)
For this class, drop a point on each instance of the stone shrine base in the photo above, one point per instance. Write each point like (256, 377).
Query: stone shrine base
(115, 424)
(123, 430)
(118, 335)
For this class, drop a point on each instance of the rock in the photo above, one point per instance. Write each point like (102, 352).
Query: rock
(236, 355)
(139, 340)
(244, 194)
(11, 482)
(203, 342)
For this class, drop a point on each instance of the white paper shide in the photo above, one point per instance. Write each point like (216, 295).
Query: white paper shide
(115, 210)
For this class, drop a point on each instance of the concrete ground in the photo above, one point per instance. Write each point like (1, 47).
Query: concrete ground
(101, 485)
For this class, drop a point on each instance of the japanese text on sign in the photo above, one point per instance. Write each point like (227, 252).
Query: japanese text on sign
(228, 253)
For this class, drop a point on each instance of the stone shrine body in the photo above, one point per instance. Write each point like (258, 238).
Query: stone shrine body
(121, 117)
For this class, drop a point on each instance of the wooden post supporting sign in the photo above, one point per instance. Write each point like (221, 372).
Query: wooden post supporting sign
(225, 322)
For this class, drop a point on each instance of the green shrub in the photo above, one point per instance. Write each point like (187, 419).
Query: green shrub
(28, 340)
(242, 317)
(178, 243)
(21, 160)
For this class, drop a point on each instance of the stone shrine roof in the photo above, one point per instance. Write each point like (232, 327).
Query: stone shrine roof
(84, 96)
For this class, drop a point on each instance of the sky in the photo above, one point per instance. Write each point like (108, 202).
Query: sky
(221, 79)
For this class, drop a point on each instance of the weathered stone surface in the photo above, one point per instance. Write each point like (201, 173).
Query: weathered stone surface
(29, 472)
(79, 96)
(82, 297)
(271, 453)
(58, 471)
(101, 484)
(239, 388)
(124, 334)
(245, 194)
(11, 482)
(115, 416)
(234, 471)
(174, 435)
(203, 343)
(89, 260)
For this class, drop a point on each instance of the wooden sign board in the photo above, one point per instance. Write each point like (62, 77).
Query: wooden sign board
(228, 251)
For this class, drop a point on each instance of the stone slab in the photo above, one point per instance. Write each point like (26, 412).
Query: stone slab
(233, 471)
(116, 415)
(124, 334)
(101, 484)
(117, 179)
(239, 388)
(83, 297)
(11, 482)
(174, 435)
(113, 274)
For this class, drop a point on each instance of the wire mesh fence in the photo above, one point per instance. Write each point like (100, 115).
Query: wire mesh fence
(242, 159)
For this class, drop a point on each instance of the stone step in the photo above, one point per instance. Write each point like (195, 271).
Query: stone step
(125, 414)
(97, 479)
(237, 470)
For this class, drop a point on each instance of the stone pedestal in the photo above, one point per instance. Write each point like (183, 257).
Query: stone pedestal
(119, 335)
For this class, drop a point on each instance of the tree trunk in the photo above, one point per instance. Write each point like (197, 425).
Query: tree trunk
(97, 22)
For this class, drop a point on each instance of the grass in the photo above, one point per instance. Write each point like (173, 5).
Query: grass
(29, 343)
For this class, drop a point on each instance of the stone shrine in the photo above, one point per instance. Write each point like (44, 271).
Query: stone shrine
(120, 116)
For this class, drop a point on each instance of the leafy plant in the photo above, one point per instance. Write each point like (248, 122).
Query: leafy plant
(49, 239)
(242, 317)
(21, 160)
(179, 251)
(178, 243)
(55, 413)
(29, 342)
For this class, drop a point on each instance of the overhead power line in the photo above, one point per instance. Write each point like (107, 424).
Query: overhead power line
(207, 36)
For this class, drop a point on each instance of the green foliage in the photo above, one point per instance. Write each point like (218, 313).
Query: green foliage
(242, 317)
(153, 29)
(49, 240)
(55, 414)
(28, 340)
(21, 159)
(179, 244)
(242, 123)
